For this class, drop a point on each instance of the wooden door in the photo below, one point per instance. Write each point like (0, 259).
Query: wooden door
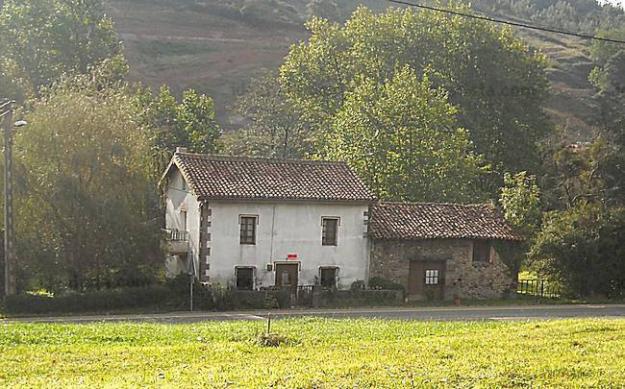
(286, 274)
(427, 279)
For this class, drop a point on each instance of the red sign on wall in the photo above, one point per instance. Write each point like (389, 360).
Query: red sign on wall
(291, 257)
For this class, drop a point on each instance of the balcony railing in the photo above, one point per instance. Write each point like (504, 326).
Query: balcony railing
(175, 235)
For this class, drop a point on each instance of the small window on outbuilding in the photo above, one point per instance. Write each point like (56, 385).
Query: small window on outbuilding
(481, 251)
(328, 277)
(245, 278)
(329, 231)
(431, 277)
(248, 229)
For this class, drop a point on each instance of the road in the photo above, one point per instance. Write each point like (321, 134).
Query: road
(521, 312)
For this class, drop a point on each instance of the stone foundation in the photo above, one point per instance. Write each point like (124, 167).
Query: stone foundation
(390, 259)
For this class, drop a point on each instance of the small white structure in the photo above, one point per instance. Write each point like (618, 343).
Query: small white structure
(250, 223)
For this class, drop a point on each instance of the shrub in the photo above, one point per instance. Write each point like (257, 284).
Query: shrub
(582, 250)
(273, 340)
(179, 284)
(357, 285)
(383, 283)
(102, 301)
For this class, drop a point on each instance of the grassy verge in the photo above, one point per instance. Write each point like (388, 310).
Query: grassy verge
(521, 300)
(316, 353)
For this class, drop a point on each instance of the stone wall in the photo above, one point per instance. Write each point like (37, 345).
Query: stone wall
(468, 279)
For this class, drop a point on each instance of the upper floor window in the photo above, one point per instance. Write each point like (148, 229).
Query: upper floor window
(248, 229)
(481, 251)
(329, 231)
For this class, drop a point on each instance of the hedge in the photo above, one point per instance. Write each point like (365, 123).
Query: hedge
(157, 297)
(175, 296)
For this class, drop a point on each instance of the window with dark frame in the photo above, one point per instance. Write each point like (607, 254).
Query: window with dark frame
(245, 278)
(328, 277)
(329, 231)
(481, 251)
(248, 230)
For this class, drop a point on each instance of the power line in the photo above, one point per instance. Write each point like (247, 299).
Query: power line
(508, 22)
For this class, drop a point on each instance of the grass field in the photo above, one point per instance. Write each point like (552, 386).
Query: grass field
(316, 353)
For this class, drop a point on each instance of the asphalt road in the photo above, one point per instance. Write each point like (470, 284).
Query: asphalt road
(525, 312)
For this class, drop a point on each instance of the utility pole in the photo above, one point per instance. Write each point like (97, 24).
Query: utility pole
(9, 275)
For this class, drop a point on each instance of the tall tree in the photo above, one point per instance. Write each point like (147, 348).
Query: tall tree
(273, 127)
(42, 39)
(609, 79)
(497, 83)
(582, 248)
(85, 213)
(521, 203)
(402, 138)
(520, 200)
(189, 123)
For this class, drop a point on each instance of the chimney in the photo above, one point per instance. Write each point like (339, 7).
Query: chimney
(181, 150)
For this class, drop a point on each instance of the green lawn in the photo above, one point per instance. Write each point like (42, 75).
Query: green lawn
(318, 353)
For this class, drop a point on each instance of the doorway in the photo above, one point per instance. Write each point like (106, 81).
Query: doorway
(287, 275)
(427, 280)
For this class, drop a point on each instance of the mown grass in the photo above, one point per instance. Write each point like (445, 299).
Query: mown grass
(316, 353)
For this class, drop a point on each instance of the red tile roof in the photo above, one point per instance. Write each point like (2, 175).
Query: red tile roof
(231, 178)
(418, 221)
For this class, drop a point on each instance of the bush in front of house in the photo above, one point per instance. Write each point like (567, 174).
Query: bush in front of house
(380, 283)
(357, 285)
(155, 297)
(225, 299)
(175, 294)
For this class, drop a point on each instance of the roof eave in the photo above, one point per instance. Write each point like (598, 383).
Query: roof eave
(422, 238)
(285, 199)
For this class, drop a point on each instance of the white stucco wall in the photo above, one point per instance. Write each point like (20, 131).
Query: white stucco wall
(178, 198)
(287, 228)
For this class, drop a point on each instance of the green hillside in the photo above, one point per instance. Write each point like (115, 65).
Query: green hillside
(218, 46)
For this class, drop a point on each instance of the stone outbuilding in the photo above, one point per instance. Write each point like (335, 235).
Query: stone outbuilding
(442, 251)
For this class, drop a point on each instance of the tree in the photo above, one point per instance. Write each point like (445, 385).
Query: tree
(608, 76)
(496, 82)
(196, 118)
(42, 39)
(86, 210)
(190, 123)
(272, 123)
(582, 248)
(402, 139)
(520, 200)
(521, 203)
(574, 173)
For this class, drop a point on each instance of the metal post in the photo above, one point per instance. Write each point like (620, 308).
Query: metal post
(191, 284)
(191, 279)
(9, 253)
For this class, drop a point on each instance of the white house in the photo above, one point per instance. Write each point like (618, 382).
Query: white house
(250, 223)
